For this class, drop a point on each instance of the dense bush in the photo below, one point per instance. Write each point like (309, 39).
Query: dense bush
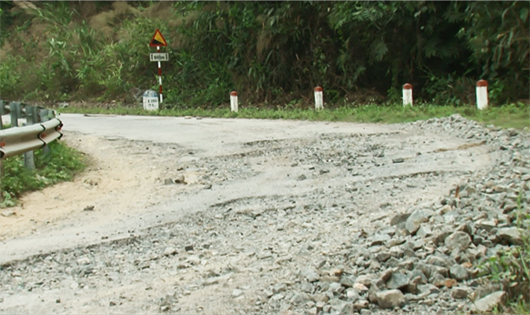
(271, 52)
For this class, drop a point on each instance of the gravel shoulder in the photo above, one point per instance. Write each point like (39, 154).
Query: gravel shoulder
(240, 216)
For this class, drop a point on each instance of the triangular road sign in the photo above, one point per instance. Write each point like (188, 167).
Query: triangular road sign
(158, 40)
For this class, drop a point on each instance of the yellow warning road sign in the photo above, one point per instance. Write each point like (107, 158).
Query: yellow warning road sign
(158, 40)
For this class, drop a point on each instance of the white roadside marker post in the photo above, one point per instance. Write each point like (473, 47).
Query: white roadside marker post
(482, 94)
(233, 101)
(407, 94)
(319, 98)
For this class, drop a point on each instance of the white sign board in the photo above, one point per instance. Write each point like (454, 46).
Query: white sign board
(159, 56)
(150, 99)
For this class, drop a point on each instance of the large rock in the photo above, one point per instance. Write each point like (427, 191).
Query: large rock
(416, 219)
(390, 299)
(459, 240)
(489, 302)
(511, 235)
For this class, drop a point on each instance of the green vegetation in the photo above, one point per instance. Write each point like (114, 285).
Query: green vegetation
(270, 52)
(508, 116)
(511, 268)
(58, 165)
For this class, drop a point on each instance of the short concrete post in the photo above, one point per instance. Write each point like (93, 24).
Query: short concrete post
(482, 94)
(319, 98)
(407, 94)
(233, 101)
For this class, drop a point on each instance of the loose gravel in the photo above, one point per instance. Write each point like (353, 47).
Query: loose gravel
(384, 230)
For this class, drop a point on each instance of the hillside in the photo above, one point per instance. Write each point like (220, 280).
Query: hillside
(272, 53)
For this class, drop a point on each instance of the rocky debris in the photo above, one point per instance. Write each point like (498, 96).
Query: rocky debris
(89, 208)
(357, 249)
(8, 213)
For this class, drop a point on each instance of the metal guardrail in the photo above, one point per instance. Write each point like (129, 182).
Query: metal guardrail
(41, 128)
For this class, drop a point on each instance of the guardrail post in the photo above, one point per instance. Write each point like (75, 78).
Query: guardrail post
(2, 112)
(44, 117)
(15, 113)
(29, 157)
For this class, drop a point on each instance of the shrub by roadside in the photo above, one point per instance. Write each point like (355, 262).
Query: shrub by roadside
(59, 165)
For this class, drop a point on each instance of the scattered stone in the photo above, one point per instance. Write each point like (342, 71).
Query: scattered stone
(310, 275)
(83, 261)
(169, 251)
(416, 218)
(300, 298)
(489, 302)
(397, 281)
(89, 208)
(460, 240)
(390, 299)
(179, 179)
(460, 292)
(8, 213)
(458, 272)
(511, 235)
(237, 293)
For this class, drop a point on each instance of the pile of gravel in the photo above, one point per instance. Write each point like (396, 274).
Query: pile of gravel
(426, 259)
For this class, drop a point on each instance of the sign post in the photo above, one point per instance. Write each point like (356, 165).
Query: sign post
(158, 41)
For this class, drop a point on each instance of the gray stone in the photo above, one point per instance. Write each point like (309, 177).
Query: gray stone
(310, 275)
(383, 256)
(336, 287)
(169, 251)
(399, 218)
(489, 302)
(426, 289)
(279, 287)
(424, 231)
(379, 239)
(460, 292)
(390, 299)
(397, 281)
(352, 295)
(418, 273)
(439, 261)
(83, 261)
(340, 306)
(347, 281)
(415, 220)
(8, 213)
(458, 272)
(361, 305)
(307, 287)
(237, 293)
(320, 298)
(459, 240)
(365, 279)
(299, 298)
(511, 235)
